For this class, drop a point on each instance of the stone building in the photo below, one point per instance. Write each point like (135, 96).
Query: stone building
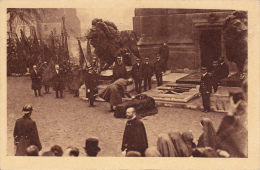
(195, 36)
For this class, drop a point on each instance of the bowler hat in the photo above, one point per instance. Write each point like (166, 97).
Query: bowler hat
(27, 109)
(92, 144)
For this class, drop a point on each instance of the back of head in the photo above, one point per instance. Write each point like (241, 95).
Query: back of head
(91, 146)
(32, 151)
(57, 150)
(210, 135)
(74, 151)
(133, 154)
(152, 152)
(48, 153)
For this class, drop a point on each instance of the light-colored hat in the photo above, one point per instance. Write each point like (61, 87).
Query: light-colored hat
(27, 109)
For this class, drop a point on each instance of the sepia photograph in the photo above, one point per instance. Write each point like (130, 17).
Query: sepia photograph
(131, 81)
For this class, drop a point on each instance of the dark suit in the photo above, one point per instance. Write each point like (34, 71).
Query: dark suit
(205, 90)
(25, 134)
(158, 69)
(135, 138)
(147, 74)
(36, 81)
(164, 53)
(119, 71)
(137, 76)
(58, 83)
(224, 70)
(216, 74)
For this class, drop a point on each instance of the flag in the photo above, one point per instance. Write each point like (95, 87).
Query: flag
(81, 55)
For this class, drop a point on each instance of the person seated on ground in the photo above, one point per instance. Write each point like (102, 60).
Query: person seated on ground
(179, 144)
(152, 152)
(32, 151)
(71, 151)
(165, 146)
(209, 137)
(115, 91)
(48, 153)
(187, 138)
(91, 147)
(233, 130)
(57, 150)
(133, 154)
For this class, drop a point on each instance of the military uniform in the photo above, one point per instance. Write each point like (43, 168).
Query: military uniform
(147, 74)
(205, 90)
(92, 82)
(137, 76)
(158, 69)
(25, 134)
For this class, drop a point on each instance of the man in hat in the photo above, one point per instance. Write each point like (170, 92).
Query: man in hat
(215, 75)
(119, 70)
(223, 67)
(92, 81)
(137, 75)
(205, 89)
(25, 132)
(134, 138)
(147, 73)
(158, 70)
(36, 81)
(58, 84)
(91, 147)
(164, 53)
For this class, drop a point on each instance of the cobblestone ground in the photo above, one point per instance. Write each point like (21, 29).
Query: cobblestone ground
(69, 121)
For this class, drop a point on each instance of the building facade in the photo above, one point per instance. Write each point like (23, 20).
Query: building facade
(194, 36)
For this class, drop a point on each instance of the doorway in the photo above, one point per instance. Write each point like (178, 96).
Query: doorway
(210, 47)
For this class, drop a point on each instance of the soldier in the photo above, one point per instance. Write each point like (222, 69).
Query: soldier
(147, 73)
(224, 70)
(91, 86)
(164, 53)
(58, 84)
(119, 70)
(215, 75)
(205, 89)
(25, 132)
(158, 70)
(36, 81)
(137, 75)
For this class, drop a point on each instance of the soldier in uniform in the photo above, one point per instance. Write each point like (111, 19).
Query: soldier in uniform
(36, 80)
(91, 86)
(205, 89)
(164, 53)
(25, 132)
(158, 70)
(58, 84)
(137, 75)
(119, 70)
(147, 73)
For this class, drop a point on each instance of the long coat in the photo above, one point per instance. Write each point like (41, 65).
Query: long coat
(137, 72)
(224, 70)
(119, 71)
(58, 81)
(36, 80)
(147, 70)
(135, 138)
(114, 92)
(77, 80)
(158, 67)
(26, 134)
(164, 52)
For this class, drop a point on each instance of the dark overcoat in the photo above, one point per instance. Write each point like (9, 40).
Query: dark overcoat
(135, 138)
(119, 71)
(224, 70)
(137, 72)
(26, 134)
(147, 70)
(158, 67)
(58, 80)
(164, 53)
(36, 80)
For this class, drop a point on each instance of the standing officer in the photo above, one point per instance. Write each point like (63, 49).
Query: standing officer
(91, 86)
(25, 132)
(147, 73)
(164, 53)
(158, 70)
(58, 84)
(137, 75)
(205, 89)
(36, 80)
(119, 70)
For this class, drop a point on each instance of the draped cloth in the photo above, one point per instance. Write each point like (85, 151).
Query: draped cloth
(179, 144)
(187, 138)
(165, 146)
(114, 92)
(209, 137)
